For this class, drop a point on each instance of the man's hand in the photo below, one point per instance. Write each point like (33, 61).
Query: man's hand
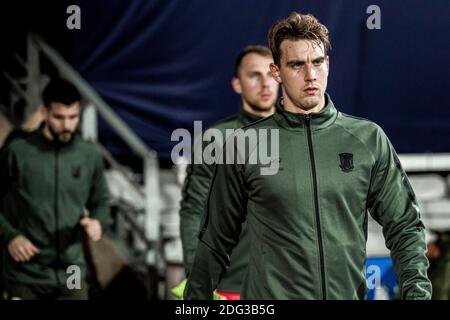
(92, 227)
(21, 249)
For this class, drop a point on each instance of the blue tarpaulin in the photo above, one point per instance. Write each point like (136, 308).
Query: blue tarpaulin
(386, 287)
(163, 64)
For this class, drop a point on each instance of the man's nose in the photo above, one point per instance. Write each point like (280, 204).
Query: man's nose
(66, 124)
(310, 74)
(265, 81)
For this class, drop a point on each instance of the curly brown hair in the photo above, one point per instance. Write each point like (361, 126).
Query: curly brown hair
(297, 27)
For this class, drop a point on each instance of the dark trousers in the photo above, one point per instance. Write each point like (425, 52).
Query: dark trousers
(15, 290)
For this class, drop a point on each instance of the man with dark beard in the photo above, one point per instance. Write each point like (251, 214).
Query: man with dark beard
(48, 179)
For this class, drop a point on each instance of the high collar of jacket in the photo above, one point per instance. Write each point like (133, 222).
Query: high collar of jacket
(246, 117)
(319, 120)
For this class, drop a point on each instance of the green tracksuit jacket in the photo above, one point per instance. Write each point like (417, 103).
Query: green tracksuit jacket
(307, 224)
(43, 191)
(195, 192)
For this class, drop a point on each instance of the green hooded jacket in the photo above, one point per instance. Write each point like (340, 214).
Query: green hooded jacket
(307, 223)
(44, 190)
(195, 193)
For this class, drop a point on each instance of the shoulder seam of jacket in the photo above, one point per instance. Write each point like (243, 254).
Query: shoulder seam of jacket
(362, 142)
(355, 117)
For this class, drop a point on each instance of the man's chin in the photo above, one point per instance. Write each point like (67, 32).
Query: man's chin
(310, 102)
(64, 138)
(264, 105)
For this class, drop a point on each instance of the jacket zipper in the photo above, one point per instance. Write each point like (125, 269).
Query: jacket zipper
(56, 216)
(316, 204)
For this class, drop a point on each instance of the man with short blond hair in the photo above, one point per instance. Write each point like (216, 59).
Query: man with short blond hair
(258, 90)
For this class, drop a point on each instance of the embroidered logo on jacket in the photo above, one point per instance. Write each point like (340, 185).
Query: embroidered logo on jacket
(346, 162)
(76, 171)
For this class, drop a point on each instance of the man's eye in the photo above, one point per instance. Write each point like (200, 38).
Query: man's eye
(317, 63)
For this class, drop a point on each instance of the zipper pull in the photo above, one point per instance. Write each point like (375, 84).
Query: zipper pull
(308, 119)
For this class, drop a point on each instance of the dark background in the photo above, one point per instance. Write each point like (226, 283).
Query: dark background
(163, 64)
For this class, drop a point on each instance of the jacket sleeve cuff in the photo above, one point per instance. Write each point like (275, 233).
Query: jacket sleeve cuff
(421, 291)
(8, 235)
